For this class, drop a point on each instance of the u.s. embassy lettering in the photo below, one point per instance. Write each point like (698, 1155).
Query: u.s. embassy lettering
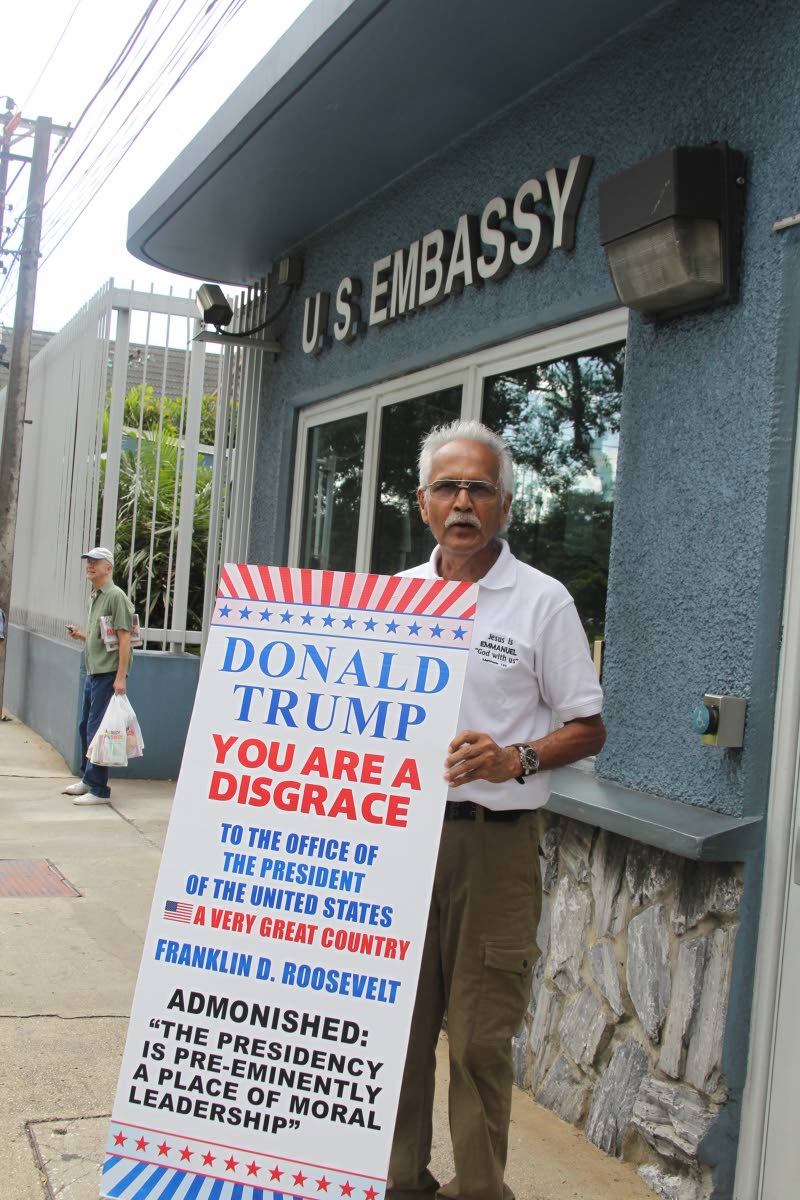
(508, 233)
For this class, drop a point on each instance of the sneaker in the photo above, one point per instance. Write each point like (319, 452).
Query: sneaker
(76, 789)
(90, 798)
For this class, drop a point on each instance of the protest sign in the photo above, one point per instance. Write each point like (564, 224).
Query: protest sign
(271, 1014)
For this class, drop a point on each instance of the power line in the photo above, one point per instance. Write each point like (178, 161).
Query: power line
(64, 131)
(80, 206)
(109, 147)
(131, 119)
(59, 40)
(133, 37)
(116, 68)
(106, 116)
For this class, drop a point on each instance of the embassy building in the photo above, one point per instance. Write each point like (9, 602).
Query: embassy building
(579, 224)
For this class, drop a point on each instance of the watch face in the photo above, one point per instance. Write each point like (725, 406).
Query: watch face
(531, 761)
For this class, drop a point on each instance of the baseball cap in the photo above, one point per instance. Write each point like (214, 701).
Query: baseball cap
(99, 552)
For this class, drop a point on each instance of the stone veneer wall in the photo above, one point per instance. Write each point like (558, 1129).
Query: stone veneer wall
(624, 1032)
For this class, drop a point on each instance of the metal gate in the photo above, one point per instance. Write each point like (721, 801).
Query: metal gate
(142, 438)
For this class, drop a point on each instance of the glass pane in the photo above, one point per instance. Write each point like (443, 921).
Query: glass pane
(400, 539)
(334, 468)
(561, 420)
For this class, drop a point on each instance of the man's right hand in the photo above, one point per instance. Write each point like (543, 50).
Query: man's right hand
(76, 633)
(473, 755)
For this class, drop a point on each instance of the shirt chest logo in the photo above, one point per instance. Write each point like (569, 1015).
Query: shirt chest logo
(498, 649)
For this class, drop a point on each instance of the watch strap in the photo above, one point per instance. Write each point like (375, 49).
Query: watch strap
(529, 761)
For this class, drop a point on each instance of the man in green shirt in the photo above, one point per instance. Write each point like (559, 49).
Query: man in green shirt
(106, 670)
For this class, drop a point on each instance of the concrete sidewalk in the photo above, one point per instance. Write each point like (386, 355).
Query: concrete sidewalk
(69, 968)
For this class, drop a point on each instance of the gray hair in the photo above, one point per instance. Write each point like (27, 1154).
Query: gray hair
(467, 431)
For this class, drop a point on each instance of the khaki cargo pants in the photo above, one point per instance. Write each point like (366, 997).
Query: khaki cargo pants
(477, 963)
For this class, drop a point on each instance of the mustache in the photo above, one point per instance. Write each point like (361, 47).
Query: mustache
(466, 518)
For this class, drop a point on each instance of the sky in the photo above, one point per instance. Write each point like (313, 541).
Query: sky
(94, 249)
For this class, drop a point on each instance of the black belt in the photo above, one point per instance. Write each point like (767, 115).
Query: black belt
(465, 810)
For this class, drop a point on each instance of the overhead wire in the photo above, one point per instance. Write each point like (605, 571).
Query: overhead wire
(97, 164)
(119, 62)
(132, 120)
(120, 96)
(119, 133)
(52, 53)
(106, 170)
(117, 65)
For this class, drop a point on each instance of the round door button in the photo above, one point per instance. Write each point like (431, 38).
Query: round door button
(705, 719)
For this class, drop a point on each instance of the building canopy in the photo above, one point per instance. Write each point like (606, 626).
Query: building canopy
(355, 94)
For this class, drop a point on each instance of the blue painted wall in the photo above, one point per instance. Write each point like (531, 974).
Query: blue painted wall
(708, 413)
(161, 689)
(42, 688)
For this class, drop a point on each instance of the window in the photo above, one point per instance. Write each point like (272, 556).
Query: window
(399, 538)
(334, 470)
(561, 420)
(554, 396)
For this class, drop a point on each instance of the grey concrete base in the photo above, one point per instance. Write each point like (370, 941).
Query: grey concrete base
(548, 1159)
(70, 1154)
(44, 689)
(684, 829)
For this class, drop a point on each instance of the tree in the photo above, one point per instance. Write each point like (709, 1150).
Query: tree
(554, 414)
(558, 419)
(170, 411)
(146, 539)
(400, 538)
(334, 471)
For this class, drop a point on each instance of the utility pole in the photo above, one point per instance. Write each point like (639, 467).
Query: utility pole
(14, 424)
(5, 142)
(10, 122)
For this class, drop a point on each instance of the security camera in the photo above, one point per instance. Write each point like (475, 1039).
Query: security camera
(214, 308)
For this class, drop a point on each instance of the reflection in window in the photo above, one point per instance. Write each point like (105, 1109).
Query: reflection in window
(561, 420)
(400, 538)
(334, 469)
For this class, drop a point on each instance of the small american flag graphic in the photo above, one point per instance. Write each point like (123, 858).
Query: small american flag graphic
(178, 910)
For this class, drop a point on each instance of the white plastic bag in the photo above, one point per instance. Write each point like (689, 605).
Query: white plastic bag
(108, 747)
(134, 741)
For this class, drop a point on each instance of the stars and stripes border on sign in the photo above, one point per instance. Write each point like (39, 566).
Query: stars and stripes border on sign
(342, 589)
(377, 608)
(137, 1166)
(126, 1180)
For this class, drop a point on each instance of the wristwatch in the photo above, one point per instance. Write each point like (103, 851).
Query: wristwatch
(529, 760)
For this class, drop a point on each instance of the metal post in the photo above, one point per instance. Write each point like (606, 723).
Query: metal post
(116, 420)
(5, 143)
(11, 454)
(183, 556)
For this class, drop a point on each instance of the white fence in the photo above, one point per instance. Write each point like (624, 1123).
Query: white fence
(113, 455)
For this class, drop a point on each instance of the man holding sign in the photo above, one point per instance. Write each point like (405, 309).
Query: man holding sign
(529, 662)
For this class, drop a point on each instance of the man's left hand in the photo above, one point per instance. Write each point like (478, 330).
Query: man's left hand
(477, 756)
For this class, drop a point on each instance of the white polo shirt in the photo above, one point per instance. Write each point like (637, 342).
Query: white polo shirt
(529, 659)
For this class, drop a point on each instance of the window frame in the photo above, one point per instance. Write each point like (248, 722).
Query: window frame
(469, 372)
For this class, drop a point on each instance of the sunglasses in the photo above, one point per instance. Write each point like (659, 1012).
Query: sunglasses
(448, 489)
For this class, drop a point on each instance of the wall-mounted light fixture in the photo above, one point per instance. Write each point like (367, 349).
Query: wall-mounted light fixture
(672, 227)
